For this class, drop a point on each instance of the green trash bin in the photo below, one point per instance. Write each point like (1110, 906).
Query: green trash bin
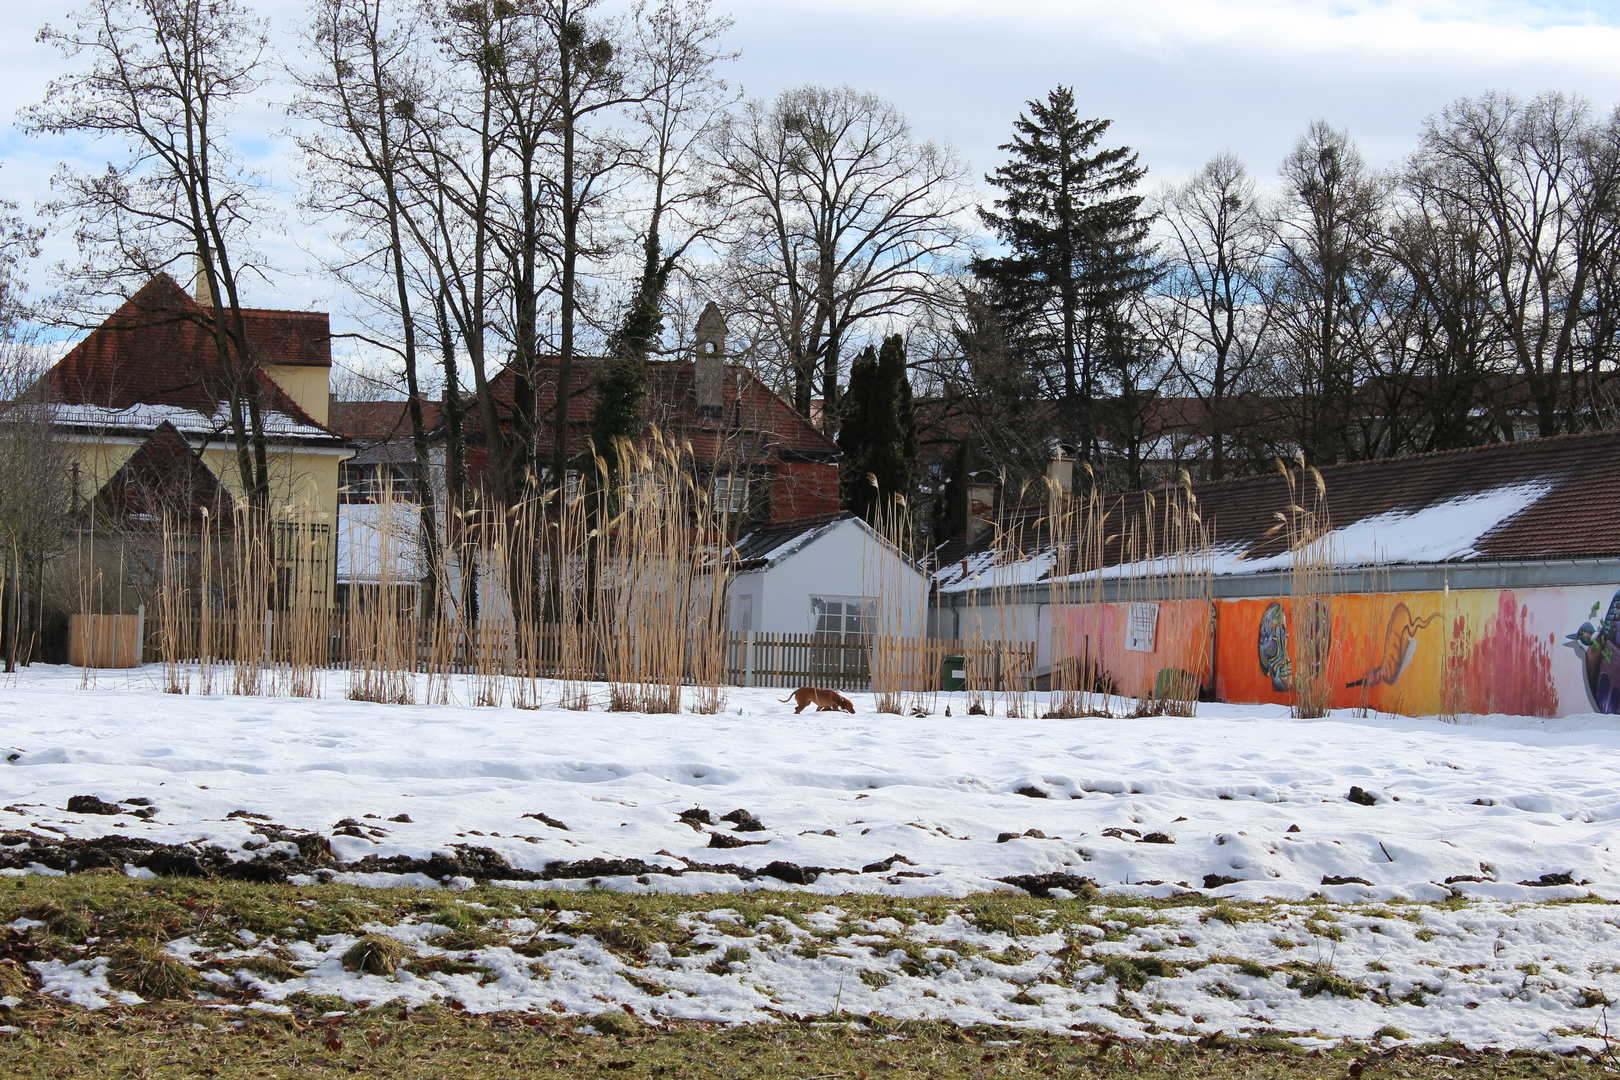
(953, 672)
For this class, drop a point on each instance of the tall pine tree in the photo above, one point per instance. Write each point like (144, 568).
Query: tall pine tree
(878, 431)
(1078, 250)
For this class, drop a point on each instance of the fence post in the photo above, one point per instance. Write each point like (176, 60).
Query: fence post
(140, 634)
(748, 658)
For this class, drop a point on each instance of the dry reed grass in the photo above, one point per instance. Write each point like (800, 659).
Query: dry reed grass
(1313, 568)
(623, 580)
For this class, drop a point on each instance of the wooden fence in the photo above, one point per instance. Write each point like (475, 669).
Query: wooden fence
(105, 641)
(908, 664)
(897, 663)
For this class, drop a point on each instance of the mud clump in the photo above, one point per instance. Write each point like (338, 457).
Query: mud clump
(1042, 884)
(542, 817)
(89, 804)
(744, 821)
(884, 866)
(695, 817)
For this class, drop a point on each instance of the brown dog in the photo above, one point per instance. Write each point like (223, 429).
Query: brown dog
(821, 699)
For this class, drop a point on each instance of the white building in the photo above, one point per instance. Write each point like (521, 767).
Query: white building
(826, 576)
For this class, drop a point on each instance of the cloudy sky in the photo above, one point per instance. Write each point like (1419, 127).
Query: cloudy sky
(1182, 79)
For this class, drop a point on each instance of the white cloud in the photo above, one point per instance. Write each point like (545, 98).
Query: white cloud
(1182, 79)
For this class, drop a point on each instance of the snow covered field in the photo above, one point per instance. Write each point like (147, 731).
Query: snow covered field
(1146, 805)
(1239, 803)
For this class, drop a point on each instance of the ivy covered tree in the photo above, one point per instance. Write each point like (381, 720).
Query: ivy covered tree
(878, 431)
(1078, 250)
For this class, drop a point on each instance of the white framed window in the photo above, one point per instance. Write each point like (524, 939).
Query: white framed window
(730, 492)
(843, 617)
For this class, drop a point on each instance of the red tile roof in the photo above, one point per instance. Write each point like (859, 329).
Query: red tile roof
(368, 421)
(1568, 507)
(155, 350)
(754, 418)
(164, 476)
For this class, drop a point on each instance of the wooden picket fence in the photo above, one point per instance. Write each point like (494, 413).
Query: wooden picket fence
(909, 664)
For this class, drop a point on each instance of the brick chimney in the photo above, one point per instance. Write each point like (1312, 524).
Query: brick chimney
(710, 363)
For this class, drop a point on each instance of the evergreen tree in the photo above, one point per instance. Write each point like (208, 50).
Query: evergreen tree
(623, 382)
(855, 432)
(878, 431)
(1077, 236)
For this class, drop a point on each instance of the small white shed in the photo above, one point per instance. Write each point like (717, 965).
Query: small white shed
(828, 575)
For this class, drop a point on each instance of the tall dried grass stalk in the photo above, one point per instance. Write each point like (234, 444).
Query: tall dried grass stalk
(1011, 669)
(174, 609)
(380, 624)
(1313, 567)
(1076, 533)
(893, 667)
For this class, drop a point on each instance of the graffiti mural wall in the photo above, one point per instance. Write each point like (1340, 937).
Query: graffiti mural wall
(1534, 652)
(1100, 634)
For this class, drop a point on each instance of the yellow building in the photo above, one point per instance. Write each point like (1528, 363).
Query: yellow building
(142, 402)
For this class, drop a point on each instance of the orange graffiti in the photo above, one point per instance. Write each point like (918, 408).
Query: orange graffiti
(1399, 645)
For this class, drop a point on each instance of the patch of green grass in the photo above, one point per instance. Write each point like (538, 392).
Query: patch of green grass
(74, 923)
(1313, 979)
(440, 1044)
(269, 967)
(1247, 967)
(1133, 972)
(1229, 913)
(624, 936)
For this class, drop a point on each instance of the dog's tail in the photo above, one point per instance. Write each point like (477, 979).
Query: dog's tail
(788, 698)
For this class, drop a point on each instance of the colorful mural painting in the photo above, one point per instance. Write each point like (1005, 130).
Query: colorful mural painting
(1599, 659)
(1535, 652)
(1181, 642)
(1400, 646)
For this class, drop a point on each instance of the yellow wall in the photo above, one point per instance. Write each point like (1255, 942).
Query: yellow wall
(98, 460)
(308, 386)
(303, 487)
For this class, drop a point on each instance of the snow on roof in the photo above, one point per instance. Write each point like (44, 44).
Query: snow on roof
(1445, 531)
(189, 422)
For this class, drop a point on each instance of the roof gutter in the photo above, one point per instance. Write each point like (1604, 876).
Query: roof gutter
(1409, 577)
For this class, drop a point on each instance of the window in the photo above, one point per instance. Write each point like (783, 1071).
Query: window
(730, 493)
(844, 619)
(841, 654)
(371, 482)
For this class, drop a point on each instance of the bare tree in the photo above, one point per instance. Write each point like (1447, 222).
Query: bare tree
(1329, 276)
(162, 78)
(33, 498)
(363, 94)
(1209, 313)
(1539, 181)
(843, 217)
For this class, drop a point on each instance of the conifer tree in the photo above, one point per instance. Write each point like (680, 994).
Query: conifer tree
(878, 432)
(1077, 236)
